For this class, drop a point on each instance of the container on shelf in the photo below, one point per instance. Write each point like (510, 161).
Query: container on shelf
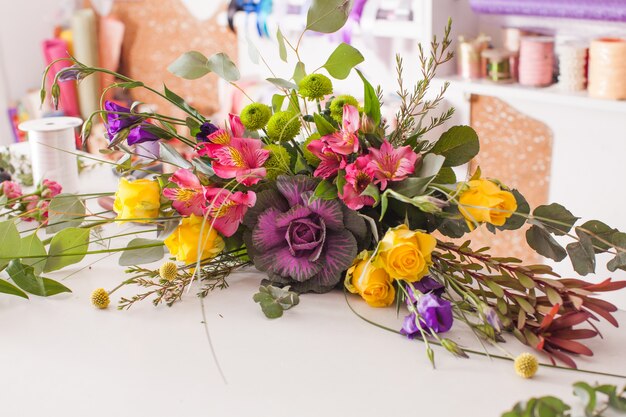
(536, 61)
(499, 65)
(469, 62)
(607, 68)
(572, 56)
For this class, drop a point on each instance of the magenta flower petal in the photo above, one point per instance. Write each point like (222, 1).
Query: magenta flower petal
(295, 213)
(282, 262)
(266, 235)
(292, 187)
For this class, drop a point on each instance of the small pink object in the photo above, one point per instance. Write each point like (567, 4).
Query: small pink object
(536, 61)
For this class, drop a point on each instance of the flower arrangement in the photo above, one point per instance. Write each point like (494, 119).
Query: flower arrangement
(319, 192)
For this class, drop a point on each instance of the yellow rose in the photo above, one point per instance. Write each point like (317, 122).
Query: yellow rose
(139, 199)
(185, 242)
(405, 254)
(484, 201)
(370, 282)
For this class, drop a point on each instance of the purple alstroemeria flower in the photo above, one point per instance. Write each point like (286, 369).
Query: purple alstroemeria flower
(434, 314)
(206, 129)
(300, 240)
(118, 122)
(140, 134)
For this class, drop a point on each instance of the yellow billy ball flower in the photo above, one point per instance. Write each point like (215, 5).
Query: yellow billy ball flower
(315, 86)
(186, 242)
(484, 201)
(278, 163)
(255, 116)
(313, 160)
(283, 126)
(100, 298)
(405, 254)
(369, 281)
(168, 270)
(336, 106)
(526, 365)
(139, 199)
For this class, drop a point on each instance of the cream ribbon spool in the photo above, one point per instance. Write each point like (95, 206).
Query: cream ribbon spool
(607, 68)
(53, 150)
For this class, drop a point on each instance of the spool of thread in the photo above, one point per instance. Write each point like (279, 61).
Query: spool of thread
(536, 61)
(53, 150)
(498, 65)
(607, 68)
(469, 63)
(572, 66)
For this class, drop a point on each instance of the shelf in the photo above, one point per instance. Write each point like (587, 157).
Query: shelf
(551, 94)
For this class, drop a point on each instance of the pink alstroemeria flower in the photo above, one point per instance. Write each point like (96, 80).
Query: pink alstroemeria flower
(188, 198)
(241, 158)
(358, 177)
(330, 161)
(391, 164)
(227, 209)
(345, 141)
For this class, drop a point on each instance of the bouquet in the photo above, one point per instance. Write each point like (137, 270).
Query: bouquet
(318, 191)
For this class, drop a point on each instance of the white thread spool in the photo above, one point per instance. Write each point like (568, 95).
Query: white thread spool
(53, 150)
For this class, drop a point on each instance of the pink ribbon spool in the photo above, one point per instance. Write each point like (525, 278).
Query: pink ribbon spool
(536, 61)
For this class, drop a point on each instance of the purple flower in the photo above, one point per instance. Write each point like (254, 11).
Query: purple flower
(299, 240)
(206, 129)
(434, 314)
(425, 285)
(118, 122)
(492, 318)
(140, 134)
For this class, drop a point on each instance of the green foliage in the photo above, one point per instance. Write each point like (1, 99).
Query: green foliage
(275, 300)
(325, 190)
(67, 247)
(540, 407)
(282, 49)
(544, 244)
(299, 72)
(371, 105)
(279, 161)
(328, 16)
(222, 65)
(10, 246)
(308, 155)
(459, 145)
(559, 219)
(255, 116)
(582, 255)
(142, 251)
(169, 155)
(193, 65)
(181, 103)
(33, 252)
(324, 127)
(24, 276)
(8, 288)
(283, 126)
(315, 86)
(282, 83)
(342, 60)
(65, 210)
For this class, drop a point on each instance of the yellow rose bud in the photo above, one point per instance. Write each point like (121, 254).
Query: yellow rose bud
(139, 199)
(484, 201)
(405, 254)
(370, 282)
(186, 242)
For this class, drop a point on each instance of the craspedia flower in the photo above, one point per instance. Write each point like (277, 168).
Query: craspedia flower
(315, 86)
(168, 270)
(526, 365)
(255, 116)
(283, 126)
(278, 163)
(100, 298)
(313, 160)
(336, 106)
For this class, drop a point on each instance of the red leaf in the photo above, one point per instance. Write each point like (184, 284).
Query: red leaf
(575, 333)
(607, 285)
(569, 320)
(570, 345)
(562, 356)
(547, 320)
(605, 314)
(605, 305)
(573, 283)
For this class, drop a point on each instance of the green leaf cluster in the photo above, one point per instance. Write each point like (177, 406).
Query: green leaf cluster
(274, 300)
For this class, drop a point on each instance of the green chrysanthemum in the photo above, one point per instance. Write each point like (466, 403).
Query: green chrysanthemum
(336, 106)
(278, 163)
(283, 126)
(313, 160)
(315, 86)
(255, 116)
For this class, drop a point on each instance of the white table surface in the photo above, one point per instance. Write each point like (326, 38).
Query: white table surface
(61, 357)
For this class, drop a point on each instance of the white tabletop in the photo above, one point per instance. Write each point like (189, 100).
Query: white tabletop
(61, 357)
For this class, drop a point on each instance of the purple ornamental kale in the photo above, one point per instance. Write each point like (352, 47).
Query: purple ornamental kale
(299, 240)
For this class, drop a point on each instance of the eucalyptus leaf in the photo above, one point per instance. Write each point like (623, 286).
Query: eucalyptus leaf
(137, 255)
(67, 247)
(253, 52)
(222, 65)
(190, 66)
(459, 145)
(31, 245)
(282, 83)
(328, 16)
(544, 244)
(8, 288)
(10, 242)
(170, 155)
(65, 210)
(582, 255)
(342, 60)
(282, 49)
(597, 230)
(445, 176)
(431, 165)
(299, 72)
(557, 218)
(24, 276)
(587, 395)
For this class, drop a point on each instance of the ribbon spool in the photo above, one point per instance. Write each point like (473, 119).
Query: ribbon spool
(499, 65)
(536, 61)
(572, 66)
(53, 150)
(607, 68)
(469, 63)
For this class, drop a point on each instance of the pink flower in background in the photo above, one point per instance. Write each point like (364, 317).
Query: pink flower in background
(391, 164)
(11, 190)
(227, 209)
(358, 177)
(345, 141)
(330, 162)
(236, 127)
(188, 198)
(241, 158)
(50, 188)
(30, 207)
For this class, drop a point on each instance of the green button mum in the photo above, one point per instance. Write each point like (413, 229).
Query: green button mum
(315, 86)
(336, 106)
(278, 163)
(313, 160)
(255, 116)
(283, 126)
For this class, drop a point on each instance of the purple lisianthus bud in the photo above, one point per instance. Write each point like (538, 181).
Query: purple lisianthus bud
(118, 122)
(492, 318)
(73, 73)
(206, 129)
(140, 134)
(435, 313)
(425, 285)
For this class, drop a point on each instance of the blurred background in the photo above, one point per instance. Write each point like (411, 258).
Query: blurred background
(542, 82)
